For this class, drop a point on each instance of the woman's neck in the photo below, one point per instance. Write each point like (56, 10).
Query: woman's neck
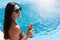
(13, 21)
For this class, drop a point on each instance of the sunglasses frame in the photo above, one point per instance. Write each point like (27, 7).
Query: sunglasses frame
(17, 10)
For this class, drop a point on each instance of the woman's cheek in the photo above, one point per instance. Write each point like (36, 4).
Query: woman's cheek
(18, 16)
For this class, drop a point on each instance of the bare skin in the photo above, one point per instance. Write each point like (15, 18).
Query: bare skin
(15, 30)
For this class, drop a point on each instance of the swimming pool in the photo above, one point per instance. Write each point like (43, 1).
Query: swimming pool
(43, 14)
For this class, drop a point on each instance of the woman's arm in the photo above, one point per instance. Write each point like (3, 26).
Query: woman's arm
(25, 37)
(22, 36)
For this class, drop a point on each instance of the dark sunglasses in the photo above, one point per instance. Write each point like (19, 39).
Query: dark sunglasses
(17, 10)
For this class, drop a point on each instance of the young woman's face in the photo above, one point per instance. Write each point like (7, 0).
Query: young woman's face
(16, 12)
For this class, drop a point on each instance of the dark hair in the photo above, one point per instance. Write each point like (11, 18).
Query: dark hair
(7, 18)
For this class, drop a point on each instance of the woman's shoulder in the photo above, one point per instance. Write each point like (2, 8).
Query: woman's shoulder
(14, 32)
(15, 29)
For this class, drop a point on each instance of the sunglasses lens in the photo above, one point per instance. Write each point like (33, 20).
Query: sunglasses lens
(17, 11)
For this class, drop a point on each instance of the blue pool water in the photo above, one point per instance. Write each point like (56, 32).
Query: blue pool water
(43, 14)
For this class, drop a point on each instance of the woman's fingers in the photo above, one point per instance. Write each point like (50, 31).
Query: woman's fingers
(32, 32)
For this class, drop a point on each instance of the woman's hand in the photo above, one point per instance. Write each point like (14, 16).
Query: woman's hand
(30, 33)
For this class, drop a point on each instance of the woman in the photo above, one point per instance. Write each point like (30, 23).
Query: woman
(12, 31)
